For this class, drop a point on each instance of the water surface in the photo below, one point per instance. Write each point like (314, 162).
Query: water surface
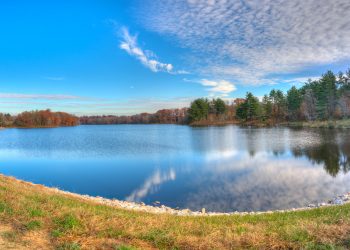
(219, 168)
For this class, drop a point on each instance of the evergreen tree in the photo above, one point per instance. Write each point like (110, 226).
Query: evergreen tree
(278, 104)
(281, 104)
(294, 99)
(266, 107)
(343, 81)
(326, 95)
(252, 106)
(199, 109)
(220, 106)
(241, 111)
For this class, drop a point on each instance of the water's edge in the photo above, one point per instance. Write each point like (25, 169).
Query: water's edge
(161, 209)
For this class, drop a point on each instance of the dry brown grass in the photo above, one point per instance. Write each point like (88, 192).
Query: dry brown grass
(35, 217)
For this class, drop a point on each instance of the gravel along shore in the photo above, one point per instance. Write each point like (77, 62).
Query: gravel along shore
(158, 208)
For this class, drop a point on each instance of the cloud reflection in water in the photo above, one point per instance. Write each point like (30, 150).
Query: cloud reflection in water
(262, 183)
(151, 184)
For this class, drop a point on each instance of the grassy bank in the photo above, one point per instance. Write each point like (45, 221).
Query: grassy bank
(35, 217)
(338, 124)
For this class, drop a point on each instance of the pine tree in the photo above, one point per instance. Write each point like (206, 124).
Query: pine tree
(220, 106)
(199, 109)
(326, 95)
(266, 107)
(252, 105)
(294, 99)
(278, 104)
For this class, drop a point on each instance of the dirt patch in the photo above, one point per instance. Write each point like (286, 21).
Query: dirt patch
(10, 239)
(7, 238)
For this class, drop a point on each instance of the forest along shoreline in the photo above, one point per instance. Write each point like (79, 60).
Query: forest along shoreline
(38, 119)
(318, 103)
(323, 103)
(157, 208)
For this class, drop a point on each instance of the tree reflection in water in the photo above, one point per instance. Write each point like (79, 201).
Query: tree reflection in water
(332, 153)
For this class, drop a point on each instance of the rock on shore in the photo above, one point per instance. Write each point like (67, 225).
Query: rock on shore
(158, 208)
(338, 200)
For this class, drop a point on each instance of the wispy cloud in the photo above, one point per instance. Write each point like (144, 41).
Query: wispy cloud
(251, 40)
(147, 58)
(39, 96)
(15, 103)
(300, 80)
(135, 106)
(219, 87)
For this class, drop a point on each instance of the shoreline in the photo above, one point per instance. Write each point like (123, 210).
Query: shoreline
(36, 217)
(161, 209)
(327, 124)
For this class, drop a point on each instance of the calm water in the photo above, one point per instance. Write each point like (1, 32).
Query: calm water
(219, 168)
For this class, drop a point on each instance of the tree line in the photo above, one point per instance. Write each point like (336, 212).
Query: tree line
(323, 99)
(38, 118)
(210, 111)
(163, 116)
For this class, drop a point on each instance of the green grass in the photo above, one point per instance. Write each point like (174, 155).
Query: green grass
(34, 212)
(10, 236)
(124, 247)
(4, 208)
(65, 222)
(159, 238)
(33, 225)
(69, 246)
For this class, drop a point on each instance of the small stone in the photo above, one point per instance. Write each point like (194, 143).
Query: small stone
(311, 205)
(338, 201)
(185, 211)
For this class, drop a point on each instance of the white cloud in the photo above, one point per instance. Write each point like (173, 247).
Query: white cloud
(183, 72)
(250, 40)
(147, 58)
(298, 81)
(220, 87)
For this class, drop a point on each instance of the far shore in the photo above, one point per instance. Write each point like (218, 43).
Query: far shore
(329, 124)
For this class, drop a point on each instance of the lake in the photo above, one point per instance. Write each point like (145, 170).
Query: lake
(219, 168)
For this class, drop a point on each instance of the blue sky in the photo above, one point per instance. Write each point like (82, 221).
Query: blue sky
(126, 57)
